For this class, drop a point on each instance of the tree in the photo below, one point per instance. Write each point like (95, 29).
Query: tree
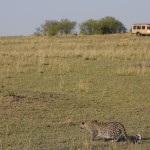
(54, 27)
(110, 25)
(66, 26)
(106, 25)
(89, 27)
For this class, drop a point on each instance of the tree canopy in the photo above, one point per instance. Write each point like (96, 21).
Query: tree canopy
(54, 27)
(106, 25)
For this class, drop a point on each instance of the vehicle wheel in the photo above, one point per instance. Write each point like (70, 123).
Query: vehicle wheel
(138, 34)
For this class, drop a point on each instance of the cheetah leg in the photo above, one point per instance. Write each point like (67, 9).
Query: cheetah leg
(94, 134)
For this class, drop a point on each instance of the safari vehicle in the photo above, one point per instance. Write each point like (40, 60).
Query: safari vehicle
(141, 29)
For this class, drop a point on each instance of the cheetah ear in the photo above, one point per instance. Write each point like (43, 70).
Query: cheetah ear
(82, 123)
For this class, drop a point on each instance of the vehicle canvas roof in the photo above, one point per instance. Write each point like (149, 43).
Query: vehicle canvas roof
(141, 24)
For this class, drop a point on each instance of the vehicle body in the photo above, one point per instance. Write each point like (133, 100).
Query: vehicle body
(141, 29)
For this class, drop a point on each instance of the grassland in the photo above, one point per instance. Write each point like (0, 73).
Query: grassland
(48, 85)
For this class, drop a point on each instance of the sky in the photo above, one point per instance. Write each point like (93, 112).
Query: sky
(22, 17)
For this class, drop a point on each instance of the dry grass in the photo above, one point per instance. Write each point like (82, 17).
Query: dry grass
(135, 69)
(49, 85)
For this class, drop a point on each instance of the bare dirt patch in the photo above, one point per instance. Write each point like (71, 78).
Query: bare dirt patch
(30, 105)
(32, 97)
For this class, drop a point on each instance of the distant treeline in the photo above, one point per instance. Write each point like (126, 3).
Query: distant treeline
(107, 25)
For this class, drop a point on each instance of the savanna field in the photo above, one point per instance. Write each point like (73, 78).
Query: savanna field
(49, 85)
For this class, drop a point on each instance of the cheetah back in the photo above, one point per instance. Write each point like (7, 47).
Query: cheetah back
(111, 130)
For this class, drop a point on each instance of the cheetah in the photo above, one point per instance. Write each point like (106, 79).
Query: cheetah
(113, 131)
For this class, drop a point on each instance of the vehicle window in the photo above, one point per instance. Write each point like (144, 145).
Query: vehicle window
(148, 28)
(134, 27)
(138, 27)
(143, 27)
